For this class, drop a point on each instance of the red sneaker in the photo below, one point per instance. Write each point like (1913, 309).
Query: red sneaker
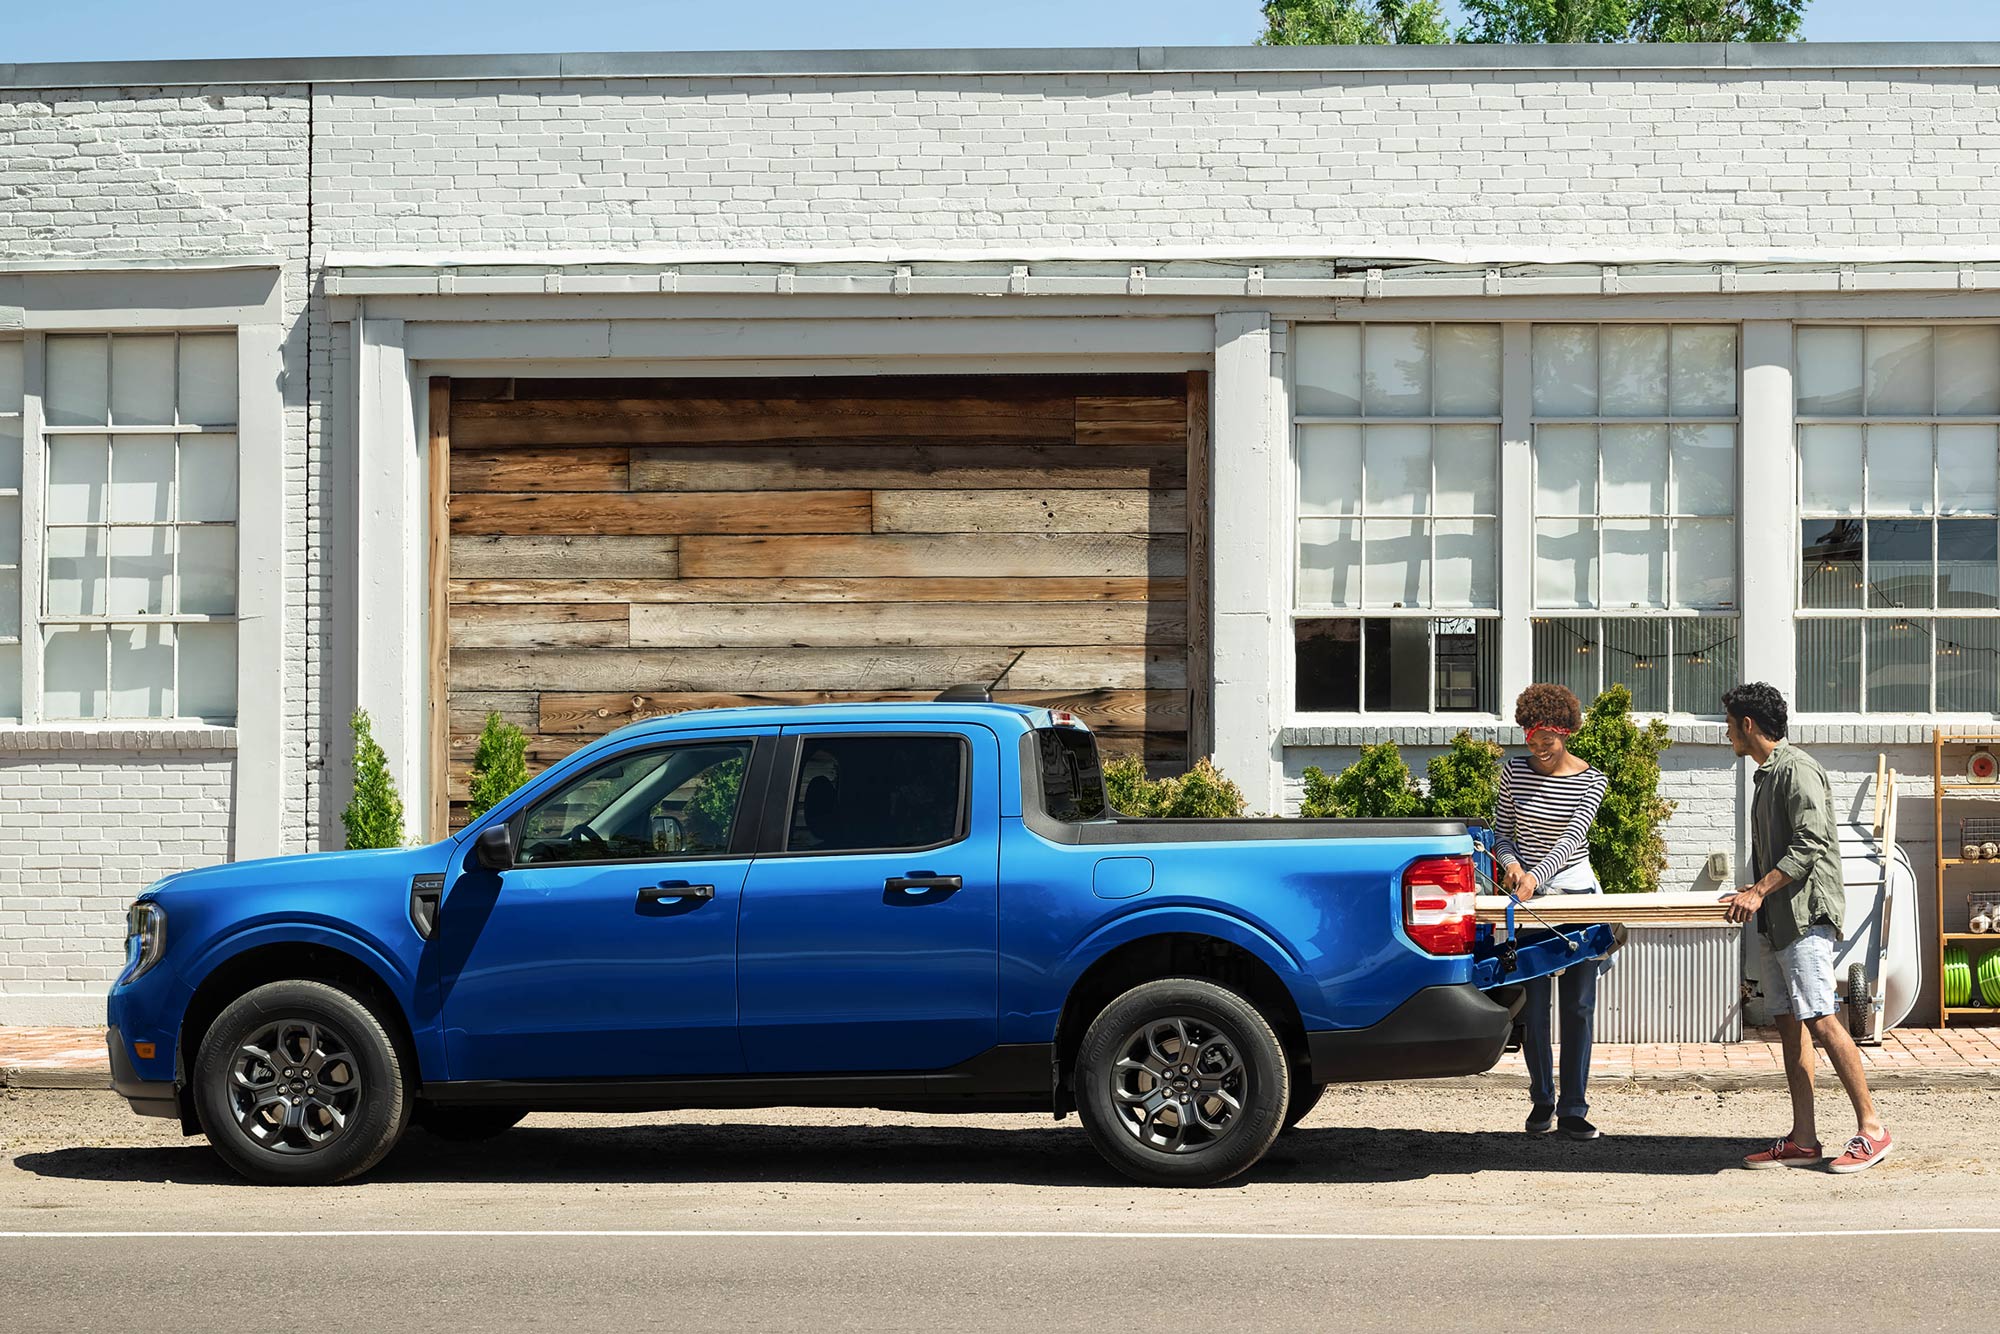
(1862, 1153)
(1785, 1153)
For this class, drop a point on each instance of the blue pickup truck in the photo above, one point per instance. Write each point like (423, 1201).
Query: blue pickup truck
(923, 906)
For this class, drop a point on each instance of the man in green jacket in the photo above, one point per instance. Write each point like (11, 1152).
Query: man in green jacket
(1798, 899)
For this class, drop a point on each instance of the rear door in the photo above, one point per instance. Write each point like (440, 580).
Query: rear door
(869, 933)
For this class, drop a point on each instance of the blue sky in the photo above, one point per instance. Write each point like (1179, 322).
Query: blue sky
(141, 29)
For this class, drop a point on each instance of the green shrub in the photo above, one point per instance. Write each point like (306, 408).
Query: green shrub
(499, 765)
(1626, 848)
(1377, 786)
(1464, 780)
(374, 818)
(1200, 793)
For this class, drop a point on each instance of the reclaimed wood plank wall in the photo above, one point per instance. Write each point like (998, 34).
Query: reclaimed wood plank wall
(622, 549)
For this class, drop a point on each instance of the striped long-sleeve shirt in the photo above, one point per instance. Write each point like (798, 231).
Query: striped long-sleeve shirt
(1542, 821)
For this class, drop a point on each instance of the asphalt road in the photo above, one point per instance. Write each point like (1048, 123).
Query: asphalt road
(1389, 1209)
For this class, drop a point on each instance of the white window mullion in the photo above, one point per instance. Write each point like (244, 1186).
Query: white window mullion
(1516, 524)
(34, 467)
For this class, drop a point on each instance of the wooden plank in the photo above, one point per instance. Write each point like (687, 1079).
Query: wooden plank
(502, 557)
(743, 418)
(1018, 555)
(470, 707)
(1123, 419)
(1663, 909)
(904, 624)
(578, 469)
(437, 672)
(1080, 589)
(645, 671)
(1201, 663)
(539, 625)
(1042, 511)
(663, 512)
(594, 714)
(886, 467)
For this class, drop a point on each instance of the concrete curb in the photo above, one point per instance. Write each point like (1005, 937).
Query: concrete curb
(1733, 1082)
(28, 1077)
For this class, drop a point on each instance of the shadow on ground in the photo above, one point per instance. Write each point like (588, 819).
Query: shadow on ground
(1056, 1156)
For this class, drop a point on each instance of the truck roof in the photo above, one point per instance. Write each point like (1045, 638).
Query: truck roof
(902, 711)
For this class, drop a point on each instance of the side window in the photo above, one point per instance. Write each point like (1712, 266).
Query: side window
(679, 801)
(1072, 779)
(877, 793)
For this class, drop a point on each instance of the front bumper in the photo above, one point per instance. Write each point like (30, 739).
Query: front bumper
(148, 1097)
(1441, 1031)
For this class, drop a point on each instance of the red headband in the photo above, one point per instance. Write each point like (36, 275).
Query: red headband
(1547, 727)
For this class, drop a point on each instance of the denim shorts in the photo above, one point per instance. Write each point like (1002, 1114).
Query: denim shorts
(1798, 979)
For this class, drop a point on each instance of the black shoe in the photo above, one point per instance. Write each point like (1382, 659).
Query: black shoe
(1576, 1127)
(1541, 1119)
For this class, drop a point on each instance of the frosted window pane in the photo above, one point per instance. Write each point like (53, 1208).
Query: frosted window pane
(1634, 358)
(208, 569)
(207, 672)
(1565, 361)
(208, 477)
(1965, 654)
(10, 682)
(1968, 371)
(79, 470)
(1329, 472)
(10, 605)
(1468, 370)
(142, 478)
(1399, 469)
(1396, 370)
(1899, 469)
(1899, 371)
(1565, 470)
(208, 379)
(1635, 656)
(1830, 469)
(1966, 459)
(1829, 666)
(1329, 562)
(1968, 562)
(1466, 459)
(142, 571)
(142, 671)
(10, 530)
(73, 668)
(1398, 564)
(1704, 469)
(76, 571)
(76, 386)
(1635, 469)
(10, 375)
(1466, 567)
(1565, 563)
(1703, 380)
(1899, 667)
(1326, 370)
(1829, 372)
(1635, 563)
(10, 454)
(1704, 563)
(142, 380)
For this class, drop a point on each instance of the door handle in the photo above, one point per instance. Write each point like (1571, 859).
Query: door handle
(921, 881)
(675, 889)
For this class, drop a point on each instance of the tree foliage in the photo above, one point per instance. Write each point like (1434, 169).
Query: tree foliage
(1626, 847)
(374, 817)
(1546, 21)
(711, 809)
(1717, 20)
(1423, 22)
(1354, 23)
(1200, 793)
(499, 765)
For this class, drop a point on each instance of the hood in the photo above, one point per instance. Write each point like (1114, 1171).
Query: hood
(356, 868)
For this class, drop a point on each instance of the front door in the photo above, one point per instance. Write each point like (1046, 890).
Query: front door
(869, 938)
(609, 949)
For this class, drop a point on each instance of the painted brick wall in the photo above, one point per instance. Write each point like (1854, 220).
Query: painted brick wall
(1664, 158)
(81, 831)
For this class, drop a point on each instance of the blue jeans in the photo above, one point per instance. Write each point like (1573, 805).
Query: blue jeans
(1576, 997)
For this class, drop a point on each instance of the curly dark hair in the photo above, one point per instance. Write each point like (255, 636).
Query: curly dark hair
(1545, 704)
(1761, 704)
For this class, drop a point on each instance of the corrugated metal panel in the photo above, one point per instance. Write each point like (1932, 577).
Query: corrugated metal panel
(1674, 984)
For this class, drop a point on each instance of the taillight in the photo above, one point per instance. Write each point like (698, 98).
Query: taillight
(1437, 904)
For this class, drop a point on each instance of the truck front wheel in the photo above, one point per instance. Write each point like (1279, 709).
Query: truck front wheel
(1182, 1082)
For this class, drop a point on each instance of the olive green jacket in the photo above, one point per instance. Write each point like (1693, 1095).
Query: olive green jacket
(1791, 830)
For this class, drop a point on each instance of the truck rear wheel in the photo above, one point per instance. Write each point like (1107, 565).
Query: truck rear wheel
(1181, 1082)
(299, 1084)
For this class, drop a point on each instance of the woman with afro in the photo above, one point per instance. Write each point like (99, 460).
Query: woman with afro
(1541, 825)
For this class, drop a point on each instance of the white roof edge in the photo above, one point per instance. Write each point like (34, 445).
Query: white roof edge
(140, 264)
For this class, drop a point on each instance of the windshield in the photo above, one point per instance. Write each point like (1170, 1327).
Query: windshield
(1072, 781)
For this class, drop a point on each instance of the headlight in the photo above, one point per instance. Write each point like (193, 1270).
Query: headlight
(145, 939)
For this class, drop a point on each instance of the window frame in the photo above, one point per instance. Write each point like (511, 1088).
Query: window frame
(782, 796)
(1927, 617)
(16, 562)
(743, 833)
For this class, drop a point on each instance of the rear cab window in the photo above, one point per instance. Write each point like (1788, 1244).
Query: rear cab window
(1072, 775)
(893, 792)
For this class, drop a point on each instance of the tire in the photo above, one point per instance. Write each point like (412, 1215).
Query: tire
(465, 1125)
(325, 1051)
(1125, 1105)
(1305, 1097)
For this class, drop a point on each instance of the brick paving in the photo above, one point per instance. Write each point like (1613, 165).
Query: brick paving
(74, 1057)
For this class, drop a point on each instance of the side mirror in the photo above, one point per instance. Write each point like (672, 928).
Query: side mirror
(494, 848)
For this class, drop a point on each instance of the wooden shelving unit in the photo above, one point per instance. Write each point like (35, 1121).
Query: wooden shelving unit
(1946, 789)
